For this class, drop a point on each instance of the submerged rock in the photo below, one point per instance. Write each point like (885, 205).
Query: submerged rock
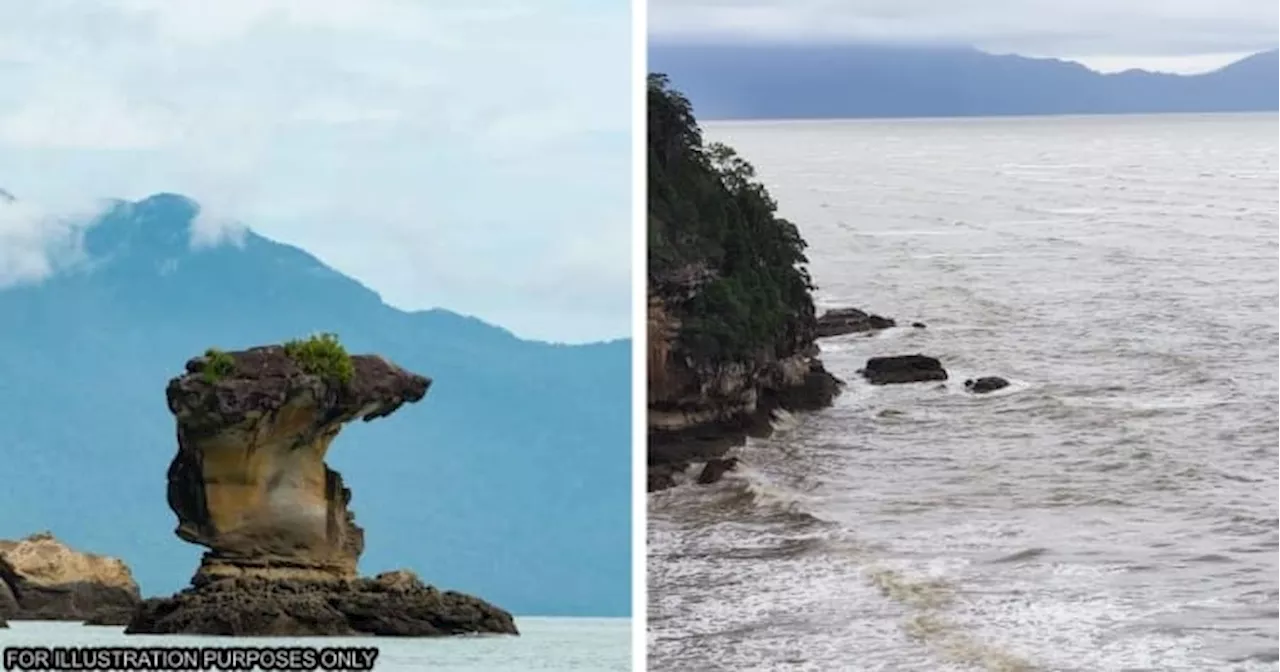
(43, 579)
(903, 369)
(716, 469)
(249, 483)
(918, 325)
(985, 384)
(840, 321)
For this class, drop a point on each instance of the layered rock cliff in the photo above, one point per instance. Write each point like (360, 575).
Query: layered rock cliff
(731, 321)
(42, 578)
(249, 483)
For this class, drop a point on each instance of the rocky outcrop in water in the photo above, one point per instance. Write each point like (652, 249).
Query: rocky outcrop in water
(393, 603)
(985, 384)
(714, 470)
(700, 408)
(249, 483)
(42, 578)
(903, 369)
(841, 321)
(730, 317)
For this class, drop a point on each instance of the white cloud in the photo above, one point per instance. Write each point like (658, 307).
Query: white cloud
(343, 112)
(73, 118)
(444, 153)
(35, 243)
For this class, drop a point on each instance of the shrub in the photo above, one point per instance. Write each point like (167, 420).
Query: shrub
(219, 365)
(322, 355)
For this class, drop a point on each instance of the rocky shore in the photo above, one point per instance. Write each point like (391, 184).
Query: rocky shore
(250, 484)
(42, 579)
(393, 603)
(699, 410)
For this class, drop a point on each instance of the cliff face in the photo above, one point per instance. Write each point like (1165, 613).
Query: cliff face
(42, 578)
(249, 483)
(249, 480)
(731, 321)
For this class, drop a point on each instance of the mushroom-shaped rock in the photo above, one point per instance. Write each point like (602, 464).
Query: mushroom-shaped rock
(249, 480)
(249, 483)
(903, 369)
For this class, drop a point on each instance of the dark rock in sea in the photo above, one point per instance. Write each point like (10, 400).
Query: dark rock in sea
(903, 369)
(663, 476)
(842, 321)
(42, 579)
(716, 469)
(918, 325)
(812, 389)
(985, 384)
(253, 430)
(393, 603)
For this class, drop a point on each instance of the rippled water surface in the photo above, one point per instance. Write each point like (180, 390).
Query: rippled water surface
(1114, 509)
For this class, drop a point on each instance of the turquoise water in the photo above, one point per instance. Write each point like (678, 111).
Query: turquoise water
(561, 644)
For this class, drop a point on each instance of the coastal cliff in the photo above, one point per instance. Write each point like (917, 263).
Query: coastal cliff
(249, 483)
(42, 579)
(731, 321)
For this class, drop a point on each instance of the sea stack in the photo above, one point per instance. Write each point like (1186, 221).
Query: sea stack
(250, 484)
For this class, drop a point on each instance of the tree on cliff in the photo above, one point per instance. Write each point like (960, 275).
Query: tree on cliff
(713, 231)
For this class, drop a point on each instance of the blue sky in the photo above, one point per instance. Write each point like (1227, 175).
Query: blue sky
(1182, 36)
(466, 155)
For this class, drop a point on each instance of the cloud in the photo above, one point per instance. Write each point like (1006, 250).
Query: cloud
(72, 117)
(446, 154)
(35, 243)
(1142, 29)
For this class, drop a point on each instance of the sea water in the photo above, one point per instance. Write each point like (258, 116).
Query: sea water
(1113, 509)
(569, 644)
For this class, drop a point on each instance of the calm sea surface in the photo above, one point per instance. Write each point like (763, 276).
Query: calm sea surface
(1114, 509)
(570, 644)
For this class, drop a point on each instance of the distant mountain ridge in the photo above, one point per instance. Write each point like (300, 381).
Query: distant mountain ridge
(511, 479)
(781, 81)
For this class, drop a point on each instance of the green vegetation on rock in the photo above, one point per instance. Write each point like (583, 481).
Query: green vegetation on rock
(322, 355)
(219, 365)
(714, 233)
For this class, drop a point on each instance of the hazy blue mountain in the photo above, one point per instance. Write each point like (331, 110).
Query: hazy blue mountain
(510, 480)
(759, 81)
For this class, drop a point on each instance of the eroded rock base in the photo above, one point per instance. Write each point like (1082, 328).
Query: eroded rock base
(391, 604)
(672, 452)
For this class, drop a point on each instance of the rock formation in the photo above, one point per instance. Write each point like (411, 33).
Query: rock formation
(730, 317)
(842, 321)
(985, 384)
(715, 469)
(41, 578)
(903, 369)
(700, 408)
(250, 484)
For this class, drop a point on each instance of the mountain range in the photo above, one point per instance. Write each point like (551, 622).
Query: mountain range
(511, 480)
(788, 81)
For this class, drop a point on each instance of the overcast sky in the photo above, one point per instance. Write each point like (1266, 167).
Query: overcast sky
(466, 155)
(1109, 35)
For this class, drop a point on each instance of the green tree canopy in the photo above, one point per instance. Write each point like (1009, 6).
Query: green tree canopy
(708, 212)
